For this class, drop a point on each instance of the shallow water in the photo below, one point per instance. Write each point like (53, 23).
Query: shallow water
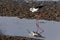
(18, 27)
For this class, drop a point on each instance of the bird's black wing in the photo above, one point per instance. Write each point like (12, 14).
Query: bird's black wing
(39, 7)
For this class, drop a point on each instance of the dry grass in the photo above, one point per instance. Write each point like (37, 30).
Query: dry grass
(21, 10)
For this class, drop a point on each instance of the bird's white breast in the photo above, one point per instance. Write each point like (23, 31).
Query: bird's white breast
(33, 9)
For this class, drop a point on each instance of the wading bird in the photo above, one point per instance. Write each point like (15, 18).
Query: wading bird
(37, 33)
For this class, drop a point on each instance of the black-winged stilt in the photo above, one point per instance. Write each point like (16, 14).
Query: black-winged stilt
(36, 34)
(34, 9)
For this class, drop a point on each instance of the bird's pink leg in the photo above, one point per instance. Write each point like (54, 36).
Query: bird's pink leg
(37, 23)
